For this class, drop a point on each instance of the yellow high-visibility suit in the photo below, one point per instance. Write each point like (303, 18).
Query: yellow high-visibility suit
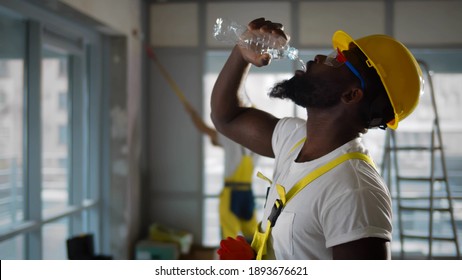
(237, 205)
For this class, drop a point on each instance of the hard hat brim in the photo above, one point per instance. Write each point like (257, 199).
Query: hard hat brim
(342, 40)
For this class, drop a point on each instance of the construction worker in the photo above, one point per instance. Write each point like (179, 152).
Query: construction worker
(326, 199)
(237, 204)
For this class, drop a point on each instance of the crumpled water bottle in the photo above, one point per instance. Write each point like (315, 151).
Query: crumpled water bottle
(231, 32)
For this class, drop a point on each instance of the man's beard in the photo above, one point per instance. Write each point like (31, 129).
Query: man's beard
(303, 92)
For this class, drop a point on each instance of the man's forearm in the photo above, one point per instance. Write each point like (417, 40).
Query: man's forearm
(225, 102)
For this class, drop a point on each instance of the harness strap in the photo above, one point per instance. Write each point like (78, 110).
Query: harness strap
(261, 238)
(325, 168)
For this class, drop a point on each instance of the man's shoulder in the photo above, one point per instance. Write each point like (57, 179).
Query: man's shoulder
(288, 131)
(290, 124)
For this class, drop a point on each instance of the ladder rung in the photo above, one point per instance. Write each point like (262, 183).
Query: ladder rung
(423, 208)
(420, 179)
(414, 148)
(426, 197)
(423, 237)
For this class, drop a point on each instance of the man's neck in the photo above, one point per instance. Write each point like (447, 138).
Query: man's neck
(325, 133)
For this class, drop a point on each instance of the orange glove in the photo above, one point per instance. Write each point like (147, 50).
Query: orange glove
(235, 249)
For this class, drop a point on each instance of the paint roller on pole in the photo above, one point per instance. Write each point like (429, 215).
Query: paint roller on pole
(196, 119)
(167, 76)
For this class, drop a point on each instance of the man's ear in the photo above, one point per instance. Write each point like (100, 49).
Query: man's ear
(352, 96)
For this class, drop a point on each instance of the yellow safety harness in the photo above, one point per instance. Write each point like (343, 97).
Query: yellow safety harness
(260, 239)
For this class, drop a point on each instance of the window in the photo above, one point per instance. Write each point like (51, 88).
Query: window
(62, 105)
(49, 186)
(62, 135)
(54, 123)
(12, 68)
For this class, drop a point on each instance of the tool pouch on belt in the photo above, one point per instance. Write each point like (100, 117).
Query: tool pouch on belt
(242, 200)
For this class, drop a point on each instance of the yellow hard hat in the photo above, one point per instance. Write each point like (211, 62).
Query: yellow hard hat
(398, 69)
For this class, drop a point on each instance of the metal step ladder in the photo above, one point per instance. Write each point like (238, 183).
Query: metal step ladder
(421, 195)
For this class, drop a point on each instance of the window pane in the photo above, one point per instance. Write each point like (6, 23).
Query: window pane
(12, 55)
(55, 130)
(12, 249)
(212, 231)
(54, 236)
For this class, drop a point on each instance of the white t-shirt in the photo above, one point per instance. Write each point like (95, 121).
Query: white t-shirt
(347, 203)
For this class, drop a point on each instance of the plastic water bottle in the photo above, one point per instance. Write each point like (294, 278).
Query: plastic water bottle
(231, 32)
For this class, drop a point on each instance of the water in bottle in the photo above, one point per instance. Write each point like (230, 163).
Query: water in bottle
(233, 33)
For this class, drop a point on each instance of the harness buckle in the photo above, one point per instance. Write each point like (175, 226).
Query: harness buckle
(275, 212)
